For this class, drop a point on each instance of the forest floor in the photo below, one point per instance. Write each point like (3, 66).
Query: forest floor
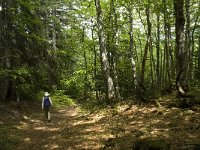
(23, 126)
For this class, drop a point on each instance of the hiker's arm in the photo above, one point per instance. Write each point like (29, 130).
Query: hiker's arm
(50, 101)
(43, 103)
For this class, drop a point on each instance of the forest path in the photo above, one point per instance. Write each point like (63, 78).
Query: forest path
(67, 130)
(76, 128)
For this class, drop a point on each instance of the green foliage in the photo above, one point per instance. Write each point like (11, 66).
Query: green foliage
(46, 45)
(60, 99)
(74, 86)
(24, 81)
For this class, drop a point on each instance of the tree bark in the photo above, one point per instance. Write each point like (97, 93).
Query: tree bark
(95, 64)
(142, 77)
(188, 41)
(115, 37)
(158, 79)
(198, 72)
(85, 64)
(167, 74)
(112, 45)
(104, 58)
(131, 51)
(5, 80)
(181, 53)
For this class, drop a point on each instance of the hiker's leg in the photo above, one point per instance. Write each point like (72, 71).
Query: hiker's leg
(48, 114)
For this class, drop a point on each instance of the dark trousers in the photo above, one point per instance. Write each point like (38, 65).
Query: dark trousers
(47, 112)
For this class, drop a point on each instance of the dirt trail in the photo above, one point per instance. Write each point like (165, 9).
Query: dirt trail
(60, 133)
(108, 129)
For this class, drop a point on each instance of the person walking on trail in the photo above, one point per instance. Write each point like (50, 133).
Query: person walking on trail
(46, 105)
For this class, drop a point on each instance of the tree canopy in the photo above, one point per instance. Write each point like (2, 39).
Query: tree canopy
(104, 49)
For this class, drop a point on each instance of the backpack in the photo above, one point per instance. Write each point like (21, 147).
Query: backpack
(46, 101)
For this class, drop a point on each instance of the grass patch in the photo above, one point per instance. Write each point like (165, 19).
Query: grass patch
(9, 137)
(62, 100)
(59, 99)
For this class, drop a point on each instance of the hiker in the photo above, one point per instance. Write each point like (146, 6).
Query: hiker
(46, 105)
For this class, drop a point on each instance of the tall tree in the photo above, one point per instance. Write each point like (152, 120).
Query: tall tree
(114, 40)
(6, 47)
(181, 53)
(158, 77)
(104, 53)
(147, 46)
(131, 45)
(167, 72)
(188, 40)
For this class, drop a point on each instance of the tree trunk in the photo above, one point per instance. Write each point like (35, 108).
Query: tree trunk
(6, 90)
(181, 65)
(54, 39)
(198, 72)
(115, 40)
(104, 58)
(158, 79)
(167, 74)
(95, 65)
(192, 51)
(112, 47)
(171, 54)
(85, 64)
(131, 51)
(142, 77)
(188, 41)
(152, 63)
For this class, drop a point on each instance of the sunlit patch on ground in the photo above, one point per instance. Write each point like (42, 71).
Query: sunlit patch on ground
(28, 140)
(23, 125)
(117, 128)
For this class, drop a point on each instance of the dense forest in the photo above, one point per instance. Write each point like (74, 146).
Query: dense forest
(111, 49)
(106, 51)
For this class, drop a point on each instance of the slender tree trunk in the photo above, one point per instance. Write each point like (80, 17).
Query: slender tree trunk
(85, 64)
(115, 40)
(158, 79)
(46, 20)
(171, 54)
(142, 77)
(117, 88)
(104, 58)
(191, 66)
(152, 63)
(54, 39)
(198, 72)
(188, 41)
(181, 54)
(95, 65)
(131, 45)
(167, 73)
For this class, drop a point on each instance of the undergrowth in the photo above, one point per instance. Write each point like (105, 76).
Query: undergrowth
(59, 99)
(9, 137)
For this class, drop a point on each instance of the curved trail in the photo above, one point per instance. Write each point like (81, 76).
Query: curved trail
(63, 132)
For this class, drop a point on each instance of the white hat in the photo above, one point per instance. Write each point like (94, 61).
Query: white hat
(46, 94)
